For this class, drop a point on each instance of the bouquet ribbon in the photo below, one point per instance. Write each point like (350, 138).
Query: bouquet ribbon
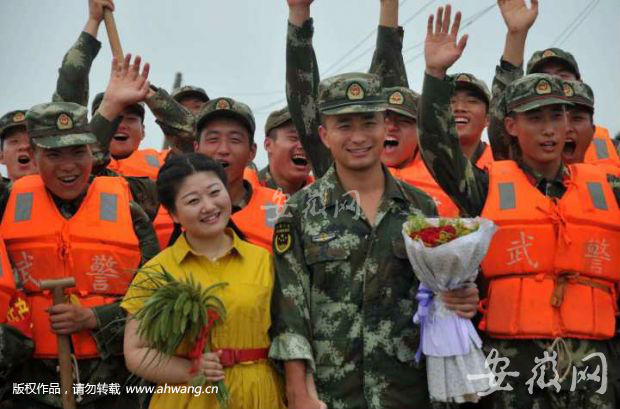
(425, 299)
(201, 342)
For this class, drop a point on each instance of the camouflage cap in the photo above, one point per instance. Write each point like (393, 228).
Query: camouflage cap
(469, 81)
(226, 107)
(138, 108)
(580, 94)
(188, 90)
(11, 120)
(276, 119)
(58, 125)
(403, 101)
(539, 58)
(534, 91)
(351, 94)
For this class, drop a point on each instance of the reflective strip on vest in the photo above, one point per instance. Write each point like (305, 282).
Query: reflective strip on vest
(597, 196)
(108, 209)
(151, 160)
(601, 148)
(507, 199)
(271, 214)
(23, 207)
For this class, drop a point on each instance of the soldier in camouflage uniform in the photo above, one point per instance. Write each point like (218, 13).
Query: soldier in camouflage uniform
(345, 291)
(302, 75)
(554, 61)
(288, 168)
(15, 151)
(106, 321)
(469, 187)
(72, 86)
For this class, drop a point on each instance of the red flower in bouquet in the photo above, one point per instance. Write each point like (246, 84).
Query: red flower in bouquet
(432, 236)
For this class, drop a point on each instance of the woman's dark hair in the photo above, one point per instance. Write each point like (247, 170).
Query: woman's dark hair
(175, 170)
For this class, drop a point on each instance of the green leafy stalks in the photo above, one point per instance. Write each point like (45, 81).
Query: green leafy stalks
(177, 310)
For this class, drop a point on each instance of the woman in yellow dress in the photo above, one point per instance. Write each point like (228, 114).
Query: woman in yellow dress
(192, 188)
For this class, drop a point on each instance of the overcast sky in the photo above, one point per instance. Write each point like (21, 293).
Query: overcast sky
(236, 48)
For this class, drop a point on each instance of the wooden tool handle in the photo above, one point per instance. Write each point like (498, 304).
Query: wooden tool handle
(115, 41)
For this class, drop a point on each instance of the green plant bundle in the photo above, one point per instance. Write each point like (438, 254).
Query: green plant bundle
(178, 310)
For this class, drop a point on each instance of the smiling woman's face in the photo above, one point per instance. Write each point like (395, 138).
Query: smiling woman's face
(202, 205)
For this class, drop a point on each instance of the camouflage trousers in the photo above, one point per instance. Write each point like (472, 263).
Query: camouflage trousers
(544, 374)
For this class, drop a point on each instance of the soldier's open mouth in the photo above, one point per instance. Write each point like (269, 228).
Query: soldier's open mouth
(569, 148)
(299, 160)
(224, 164)
(121, 137)
(23, 159)
(390, 143)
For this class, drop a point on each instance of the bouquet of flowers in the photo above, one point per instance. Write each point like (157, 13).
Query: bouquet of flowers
(445, 255)
(178, 310)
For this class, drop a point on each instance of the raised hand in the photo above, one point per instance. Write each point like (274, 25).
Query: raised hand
(95, 9)
(299, 11)
(517, 16)
(441, 49)
(127, 86)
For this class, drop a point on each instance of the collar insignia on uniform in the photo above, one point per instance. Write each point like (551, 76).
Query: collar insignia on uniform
(549, 53)
(323, 237)
(282, 238)
(543, 87)
(355, 92)
(222, 104)
(463, 78)
(18, 117)
(64, 122)
(568, 90)
(396, 98)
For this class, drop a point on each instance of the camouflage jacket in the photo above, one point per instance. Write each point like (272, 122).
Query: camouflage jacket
(345, 294)
(466, 184)
(16, 350)
(265, 178)
(505, 73)
(302, 82)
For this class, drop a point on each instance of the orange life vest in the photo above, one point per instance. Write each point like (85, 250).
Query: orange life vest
(97, 246)
(251, 176)
(141, 163)
(258, 218)
(553, 264)
(164, 227)
(486, 158)
(602, 150)
(7, 282)
(416, 174)
(163, 155)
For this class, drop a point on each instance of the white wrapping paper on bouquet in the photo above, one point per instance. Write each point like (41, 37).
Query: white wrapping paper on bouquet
(450, 343)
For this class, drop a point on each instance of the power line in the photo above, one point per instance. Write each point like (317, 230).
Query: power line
(583, 17)
(340, 66)
(572, 23)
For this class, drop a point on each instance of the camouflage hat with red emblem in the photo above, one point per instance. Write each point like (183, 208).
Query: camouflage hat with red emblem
(353, 93)
(540, 58)
(58, 125)
(534, 91)
(468, 81)
(403, 101)
(580, 94)
(189, 91)
(226, 108)
(12, 120)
